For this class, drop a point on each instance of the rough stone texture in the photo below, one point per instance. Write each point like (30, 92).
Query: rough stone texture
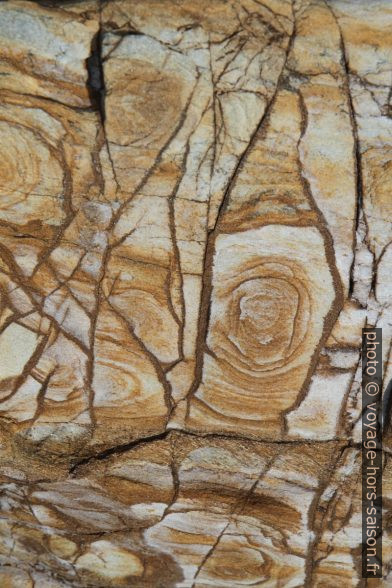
(195, 223)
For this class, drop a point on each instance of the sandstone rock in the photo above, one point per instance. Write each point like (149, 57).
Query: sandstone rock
(195, 226)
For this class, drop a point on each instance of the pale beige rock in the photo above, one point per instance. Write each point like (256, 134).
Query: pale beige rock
(43, 52)
(195, 226)
(267, 317)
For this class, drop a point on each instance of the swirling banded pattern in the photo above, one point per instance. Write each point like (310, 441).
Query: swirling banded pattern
(268, 307)
(194, 229)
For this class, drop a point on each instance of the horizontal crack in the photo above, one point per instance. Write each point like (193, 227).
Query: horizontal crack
(122, 448)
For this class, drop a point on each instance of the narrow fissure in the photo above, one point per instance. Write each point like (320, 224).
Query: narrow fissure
(96, 79)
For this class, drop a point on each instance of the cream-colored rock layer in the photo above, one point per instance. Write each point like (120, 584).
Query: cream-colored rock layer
(195, 225)
(185, 512)
(43, 52)
(167, 513)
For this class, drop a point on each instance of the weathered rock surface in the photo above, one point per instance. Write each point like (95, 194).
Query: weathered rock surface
(195, 225)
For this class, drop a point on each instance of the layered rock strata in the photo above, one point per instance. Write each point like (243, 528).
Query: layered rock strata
(195, 226)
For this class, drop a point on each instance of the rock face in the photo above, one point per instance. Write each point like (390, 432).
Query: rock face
(195, 223)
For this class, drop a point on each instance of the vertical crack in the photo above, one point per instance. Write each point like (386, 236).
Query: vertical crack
(96, 80)
(356, 150)
(205, 305)
(357, 159)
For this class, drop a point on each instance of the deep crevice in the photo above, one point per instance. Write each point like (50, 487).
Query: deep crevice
(96, 80)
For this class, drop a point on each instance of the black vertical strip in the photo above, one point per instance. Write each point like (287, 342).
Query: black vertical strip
(372, 421)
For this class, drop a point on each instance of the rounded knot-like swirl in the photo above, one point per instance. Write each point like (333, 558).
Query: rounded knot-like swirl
(272, 291)
(266, 316)
(31, 176)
